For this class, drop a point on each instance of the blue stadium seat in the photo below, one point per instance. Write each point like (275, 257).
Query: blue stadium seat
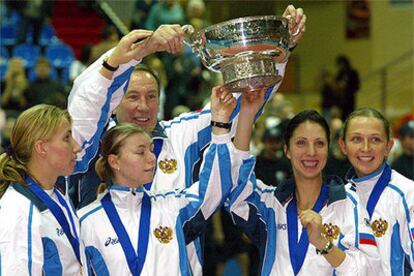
(4, 53)
(48, 35)
(60, 55)
(3, 69)
(8, 34)
(28, 52)
(64, 75)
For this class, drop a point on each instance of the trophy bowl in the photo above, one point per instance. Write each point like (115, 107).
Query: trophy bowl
(245, 50)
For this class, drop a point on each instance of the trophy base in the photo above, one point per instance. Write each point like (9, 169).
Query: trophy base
(252, 84)
(250, 73)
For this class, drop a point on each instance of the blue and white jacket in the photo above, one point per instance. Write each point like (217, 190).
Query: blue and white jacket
(182, 140)
(261, 211)
(393, 217)
(183, 211)
(31, 240)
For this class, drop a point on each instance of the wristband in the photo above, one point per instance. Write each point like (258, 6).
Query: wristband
(109, 67)
(326, 249)
(220, 124)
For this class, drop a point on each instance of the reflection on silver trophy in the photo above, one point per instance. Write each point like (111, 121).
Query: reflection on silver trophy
(245, 50)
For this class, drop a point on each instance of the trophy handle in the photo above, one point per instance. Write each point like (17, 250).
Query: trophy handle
(193, 40)
(188, 35)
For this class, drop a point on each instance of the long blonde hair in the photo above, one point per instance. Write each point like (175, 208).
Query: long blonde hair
(39, 122)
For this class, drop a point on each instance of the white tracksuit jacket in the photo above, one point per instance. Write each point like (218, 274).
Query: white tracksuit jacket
(260, 210)
(185, 211)
(395, 207)
(31, 240)
(91, 103)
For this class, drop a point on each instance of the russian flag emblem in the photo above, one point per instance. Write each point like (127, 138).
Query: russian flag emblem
(365, 238)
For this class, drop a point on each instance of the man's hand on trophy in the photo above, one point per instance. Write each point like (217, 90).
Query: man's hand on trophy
(297, 20)
(167, 38)
(127, 49)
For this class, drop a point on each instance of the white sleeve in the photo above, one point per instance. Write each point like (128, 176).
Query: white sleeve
(362, 255)
(91, 103)
(21, 248)
(406, 220)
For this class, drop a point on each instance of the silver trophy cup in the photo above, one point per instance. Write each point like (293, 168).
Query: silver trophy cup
(245, 50)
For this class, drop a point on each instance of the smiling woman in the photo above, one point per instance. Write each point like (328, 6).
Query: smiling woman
(366, 142)
(40, 222)
(307, 224)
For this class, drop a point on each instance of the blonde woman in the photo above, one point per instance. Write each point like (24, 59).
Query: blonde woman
(38, 226)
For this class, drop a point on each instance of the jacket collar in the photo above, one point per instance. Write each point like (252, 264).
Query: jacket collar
(351, 174)
(26, 192)
(336, 189)
(158, 132)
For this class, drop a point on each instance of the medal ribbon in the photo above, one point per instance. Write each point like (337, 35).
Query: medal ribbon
(135, 260)
(57, 213)
(297, 250)
(378, 189)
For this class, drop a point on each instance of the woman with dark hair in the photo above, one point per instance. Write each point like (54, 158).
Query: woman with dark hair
(387, 195)
(309, 224)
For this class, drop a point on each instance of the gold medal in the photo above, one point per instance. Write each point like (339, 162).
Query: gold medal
(163, 234)
(168, 165)
(330, 231)
(379, 226)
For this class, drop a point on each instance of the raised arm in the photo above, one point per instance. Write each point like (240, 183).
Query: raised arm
(99, 90)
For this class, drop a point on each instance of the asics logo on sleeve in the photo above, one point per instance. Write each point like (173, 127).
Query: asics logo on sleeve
(59, 232)
(281, 226)
(111, 241)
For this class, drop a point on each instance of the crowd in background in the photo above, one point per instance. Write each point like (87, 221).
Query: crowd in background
(186, 85)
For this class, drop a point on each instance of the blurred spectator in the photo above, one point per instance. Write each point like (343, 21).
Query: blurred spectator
(195, 13)
(272, 167)
(179, 109)
(6, 130)
(347, 85)
(2, 125)
(78, 66)
(404, 164)
(109, 39)
(337, 163)
(43, 89)
(328, 94)
(140, 15)
(14, 86)
(165, 12)
(34, 13)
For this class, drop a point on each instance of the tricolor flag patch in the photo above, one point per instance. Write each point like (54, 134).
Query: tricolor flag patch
(412, 232)
(365, 238)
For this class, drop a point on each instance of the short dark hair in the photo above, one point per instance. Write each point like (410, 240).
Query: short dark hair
(367, 112)
(306, 115)
(152, 72)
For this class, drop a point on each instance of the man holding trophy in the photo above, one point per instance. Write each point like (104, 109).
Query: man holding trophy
(115, 85)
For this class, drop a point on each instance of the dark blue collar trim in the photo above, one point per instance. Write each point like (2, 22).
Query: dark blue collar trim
(336, 189)
(25, 191)
(351, 175)
(158, 132)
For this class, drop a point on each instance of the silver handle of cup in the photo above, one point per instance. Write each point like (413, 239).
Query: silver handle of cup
(193, 40)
